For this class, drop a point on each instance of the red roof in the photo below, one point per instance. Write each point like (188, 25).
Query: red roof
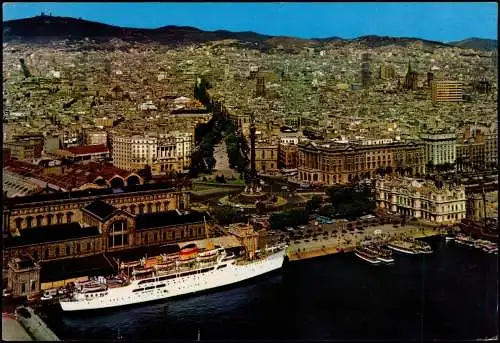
(89, 149)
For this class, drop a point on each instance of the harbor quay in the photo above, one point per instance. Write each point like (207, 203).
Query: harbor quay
(345, 242)
(25, 325)
(12, 330)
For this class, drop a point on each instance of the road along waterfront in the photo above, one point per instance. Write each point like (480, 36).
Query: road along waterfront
(344, 242)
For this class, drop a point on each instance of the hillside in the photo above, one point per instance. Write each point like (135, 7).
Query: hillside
(43, 29)
(477, 43)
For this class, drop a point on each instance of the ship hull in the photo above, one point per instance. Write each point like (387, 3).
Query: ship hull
(157, 290)
(372, 261)
(402, 250)
(386, 260)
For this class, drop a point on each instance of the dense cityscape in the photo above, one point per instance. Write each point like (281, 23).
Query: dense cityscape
(135, 170)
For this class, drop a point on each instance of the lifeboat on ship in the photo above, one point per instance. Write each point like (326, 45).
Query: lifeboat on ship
(132, 264)
(97, 287)
(165, 265)
(189, 252)
(140, 271)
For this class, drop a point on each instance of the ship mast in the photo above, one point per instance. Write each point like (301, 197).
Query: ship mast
(210, 244)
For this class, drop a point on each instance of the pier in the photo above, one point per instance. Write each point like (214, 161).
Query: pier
(349, 241)
(34, 326)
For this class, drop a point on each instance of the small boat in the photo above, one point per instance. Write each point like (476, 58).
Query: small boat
(94, 288)
(403, 247)
(383, 254)
(367, 256)
(189, 249)
(142, 271)
(132, 264)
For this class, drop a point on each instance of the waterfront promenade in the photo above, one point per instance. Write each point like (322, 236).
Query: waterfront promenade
(344, 242)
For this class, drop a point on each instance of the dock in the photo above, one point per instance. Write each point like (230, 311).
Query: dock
(35, 326)
(349, 241)
(12, 330)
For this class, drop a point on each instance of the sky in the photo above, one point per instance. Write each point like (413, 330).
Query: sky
(443, 22)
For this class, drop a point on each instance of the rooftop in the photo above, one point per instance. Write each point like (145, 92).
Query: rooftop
(86, 194)
(140, 252)
(100, 209)
(170, 218)
(75, 267)
(89, 149)
(51, 233)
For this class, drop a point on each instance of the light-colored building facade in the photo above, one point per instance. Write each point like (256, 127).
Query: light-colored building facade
(266, 156)
(340, 163)
(440, 148)
(491, 148)
(446, 91)
(96, 137)
(422, 200)
(163, 152)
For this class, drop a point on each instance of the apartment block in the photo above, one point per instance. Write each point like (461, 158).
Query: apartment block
(446, 91)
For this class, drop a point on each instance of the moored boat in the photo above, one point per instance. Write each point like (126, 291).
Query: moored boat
(383, 254)
(366, 255)
(182, 280)
(404, 247)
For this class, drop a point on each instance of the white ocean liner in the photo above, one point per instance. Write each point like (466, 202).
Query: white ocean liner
(224, 271)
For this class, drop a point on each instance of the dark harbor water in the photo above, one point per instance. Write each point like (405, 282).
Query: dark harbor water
(449, 295)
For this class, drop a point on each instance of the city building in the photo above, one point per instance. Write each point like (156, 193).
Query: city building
(471, 154)
(365, 70)
(387, 72)
(491, 149)
(411, 78)
(52, 142)
(260, 87)
(422, 199)
(93, 137)
(96, 153)
(27, 147)
(65, 207)
(61, 178)
(340, 163)
(440, 147)
(446, 91)
(15, 185)
(480, 206)
(23, 277)
(170, 152)
(288, 154)
(266, 156)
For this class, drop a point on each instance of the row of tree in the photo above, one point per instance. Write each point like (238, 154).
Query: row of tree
(284, 219)
(349, 202)
(208, 135)
(237, 151)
